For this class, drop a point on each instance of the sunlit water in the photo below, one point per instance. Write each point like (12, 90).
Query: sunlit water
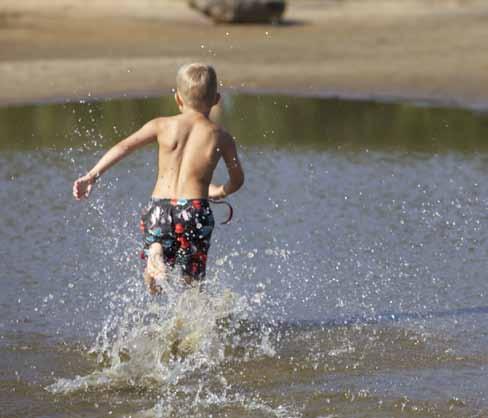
(351, 283)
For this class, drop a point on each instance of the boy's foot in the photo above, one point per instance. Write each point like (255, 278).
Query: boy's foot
(151, 285)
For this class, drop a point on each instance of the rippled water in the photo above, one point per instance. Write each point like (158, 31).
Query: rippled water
(352, 282)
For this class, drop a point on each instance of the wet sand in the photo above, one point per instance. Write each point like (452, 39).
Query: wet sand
(434, 50)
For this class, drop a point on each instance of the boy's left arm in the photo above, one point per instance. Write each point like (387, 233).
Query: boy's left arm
(148, 133)
(234, 169)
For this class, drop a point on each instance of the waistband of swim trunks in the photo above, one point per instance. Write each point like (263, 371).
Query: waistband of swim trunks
(180, 201)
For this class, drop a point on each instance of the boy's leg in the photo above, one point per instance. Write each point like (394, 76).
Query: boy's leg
(194, 266)
(189, 280)
(155, 268)
(194, 223)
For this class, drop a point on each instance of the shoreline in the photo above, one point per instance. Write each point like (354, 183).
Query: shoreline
(408, 99)
(419, 51)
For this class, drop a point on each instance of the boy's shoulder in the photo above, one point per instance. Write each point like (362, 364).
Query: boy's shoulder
(160, 123)
(164, 120)
(215, 129)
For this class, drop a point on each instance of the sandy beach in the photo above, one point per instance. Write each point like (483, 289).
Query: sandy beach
(411, 49)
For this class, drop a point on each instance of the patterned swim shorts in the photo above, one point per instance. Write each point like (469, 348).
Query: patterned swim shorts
(183, 227)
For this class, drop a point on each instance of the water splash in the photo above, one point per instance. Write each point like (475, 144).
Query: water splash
(156, 341)
(176, 347)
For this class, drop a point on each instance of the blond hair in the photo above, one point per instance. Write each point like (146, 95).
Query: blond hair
(197, 85)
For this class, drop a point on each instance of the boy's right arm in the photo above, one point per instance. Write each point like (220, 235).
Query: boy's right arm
(148, 133)
(234, 168)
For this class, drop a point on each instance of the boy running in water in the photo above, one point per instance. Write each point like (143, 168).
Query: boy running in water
(178, 222)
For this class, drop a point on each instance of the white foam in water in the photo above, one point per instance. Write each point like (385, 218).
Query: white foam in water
(156, 342)
(173, 346)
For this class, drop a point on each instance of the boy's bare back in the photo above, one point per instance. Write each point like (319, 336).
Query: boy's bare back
(190, 147)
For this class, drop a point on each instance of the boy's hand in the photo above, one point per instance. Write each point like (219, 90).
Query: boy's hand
(216, 191)
(83, 186)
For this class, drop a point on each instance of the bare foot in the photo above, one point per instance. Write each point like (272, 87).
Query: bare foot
(151, 285)
(188, 280)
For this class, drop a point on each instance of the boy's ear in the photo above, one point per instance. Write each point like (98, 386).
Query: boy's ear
(178, 99)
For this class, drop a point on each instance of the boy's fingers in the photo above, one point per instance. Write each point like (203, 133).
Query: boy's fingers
(89, 189)
(76, 190)
(82, 188)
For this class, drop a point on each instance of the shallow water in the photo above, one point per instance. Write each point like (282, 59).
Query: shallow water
(352, 282)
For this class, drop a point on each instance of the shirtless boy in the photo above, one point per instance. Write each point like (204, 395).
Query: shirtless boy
(178, 222)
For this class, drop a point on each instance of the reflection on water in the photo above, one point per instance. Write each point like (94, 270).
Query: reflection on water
(352, 281)
(277, 121)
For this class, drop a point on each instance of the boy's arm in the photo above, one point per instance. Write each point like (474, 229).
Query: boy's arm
(148, 133)
(234, 168)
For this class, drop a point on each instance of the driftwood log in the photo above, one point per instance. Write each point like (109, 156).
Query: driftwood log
(241, 11)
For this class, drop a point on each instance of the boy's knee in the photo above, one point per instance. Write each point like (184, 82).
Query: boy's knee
(156, 249)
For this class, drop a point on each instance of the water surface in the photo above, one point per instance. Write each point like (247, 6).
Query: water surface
(352, 282)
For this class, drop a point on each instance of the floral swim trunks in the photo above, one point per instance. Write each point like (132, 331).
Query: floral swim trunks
(183, 227)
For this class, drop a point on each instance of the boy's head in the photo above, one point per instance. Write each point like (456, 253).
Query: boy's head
(196, 86)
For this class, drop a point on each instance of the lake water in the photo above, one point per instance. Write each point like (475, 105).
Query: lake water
(352, 281)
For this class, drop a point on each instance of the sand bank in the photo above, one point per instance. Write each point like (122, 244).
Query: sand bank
(431, 49)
